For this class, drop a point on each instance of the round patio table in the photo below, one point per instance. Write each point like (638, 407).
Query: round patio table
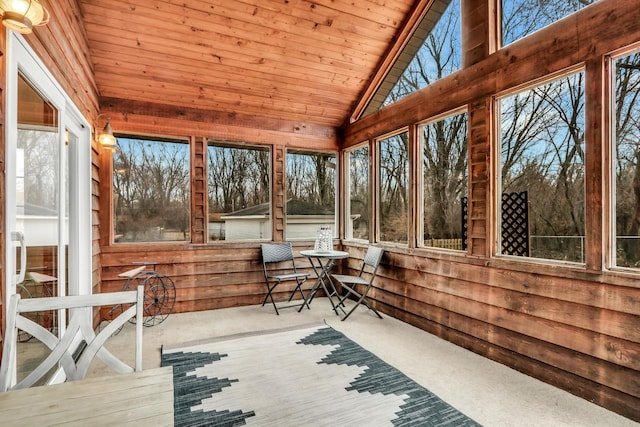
(322, 262)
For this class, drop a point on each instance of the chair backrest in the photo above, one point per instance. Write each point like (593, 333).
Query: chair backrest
(80, 328)
(275, 253)
(372, 261)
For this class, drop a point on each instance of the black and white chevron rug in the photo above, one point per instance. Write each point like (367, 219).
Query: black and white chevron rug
(310, 376)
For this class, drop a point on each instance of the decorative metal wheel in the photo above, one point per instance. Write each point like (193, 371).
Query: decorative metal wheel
(159, 298)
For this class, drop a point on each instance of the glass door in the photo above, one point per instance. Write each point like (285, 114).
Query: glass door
(47, 188)
(40, 199)
(48, 185)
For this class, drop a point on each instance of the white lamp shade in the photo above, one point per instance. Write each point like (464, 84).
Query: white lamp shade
(106, 138)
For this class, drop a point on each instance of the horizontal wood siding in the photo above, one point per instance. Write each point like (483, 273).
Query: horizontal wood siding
(206, 277)
(62, 46)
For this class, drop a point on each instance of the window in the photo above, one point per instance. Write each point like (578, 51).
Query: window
(311, 193)
(522, 17)
(445, 181)
(151, 190)
(238, 187)
(394, 188)
(433, 52)
(357, 213)
(626, 158)
(542, 171)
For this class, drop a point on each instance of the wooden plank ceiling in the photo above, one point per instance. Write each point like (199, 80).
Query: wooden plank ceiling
(295, 60)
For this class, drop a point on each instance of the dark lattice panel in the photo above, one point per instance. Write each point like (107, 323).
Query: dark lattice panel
(464, 217)
(515, 224)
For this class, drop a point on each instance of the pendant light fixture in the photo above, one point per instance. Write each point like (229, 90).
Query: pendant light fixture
(105, 136)
(23, 15)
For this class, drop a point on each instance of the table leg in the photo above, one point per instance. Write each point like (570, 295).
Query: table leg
(323, 278)
(315, 287)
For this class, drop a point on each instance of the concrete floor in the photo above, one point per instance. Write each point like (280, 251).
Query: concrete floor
(488, 392)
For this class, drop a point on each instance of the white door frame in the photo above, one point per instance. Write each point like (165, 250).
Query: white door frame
(20, 57)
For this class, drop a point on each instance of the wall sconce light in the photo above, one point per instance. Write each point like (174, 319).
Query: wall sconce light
(105, 136)
(23, 15)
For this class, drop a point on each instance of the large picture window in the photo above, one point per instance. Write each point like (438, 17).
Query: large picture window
(522, 17)
(433, 52)
(394, 188)
(626, 160)
(542, 171)
(311, 193)
(238, 187)
(357, 214)
(151, 190)
(445, 181)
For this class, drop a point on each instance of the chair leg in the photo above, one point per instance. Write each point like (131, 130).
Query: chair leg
(270, 295)
(304, 298)
(370, 307)
(361, 300)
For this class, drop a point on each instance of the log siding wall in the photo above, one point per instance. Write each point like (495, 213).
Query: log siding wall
(575, 327)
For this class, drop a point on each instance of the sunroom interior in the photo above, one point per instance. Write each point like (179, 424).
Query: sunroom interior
(490, 147)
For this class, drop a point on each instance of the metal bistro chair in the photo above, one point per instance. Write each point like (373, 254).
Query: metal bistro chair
(279, 266)
(349, 283)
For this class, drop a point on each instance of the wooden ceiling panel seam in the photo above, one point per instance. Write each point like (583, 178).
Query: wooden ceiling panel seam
(379, 11)
(101, 28)
(323, 75)
(239, 80)
(170, 23)
(278, 74)
(291, 96)
(331, 17)
(247, 95)
(183, 52)
(323, 88)
(295, 13)
(183, 48)
(108, 67)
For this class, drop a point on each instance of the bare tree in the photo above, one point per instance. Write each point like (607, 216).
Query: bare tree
(238, 177)
(523, 17)
(627, 149)
(359, 190)
(151, 186)
(445, 176)
(311, 179)
(394, 182)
